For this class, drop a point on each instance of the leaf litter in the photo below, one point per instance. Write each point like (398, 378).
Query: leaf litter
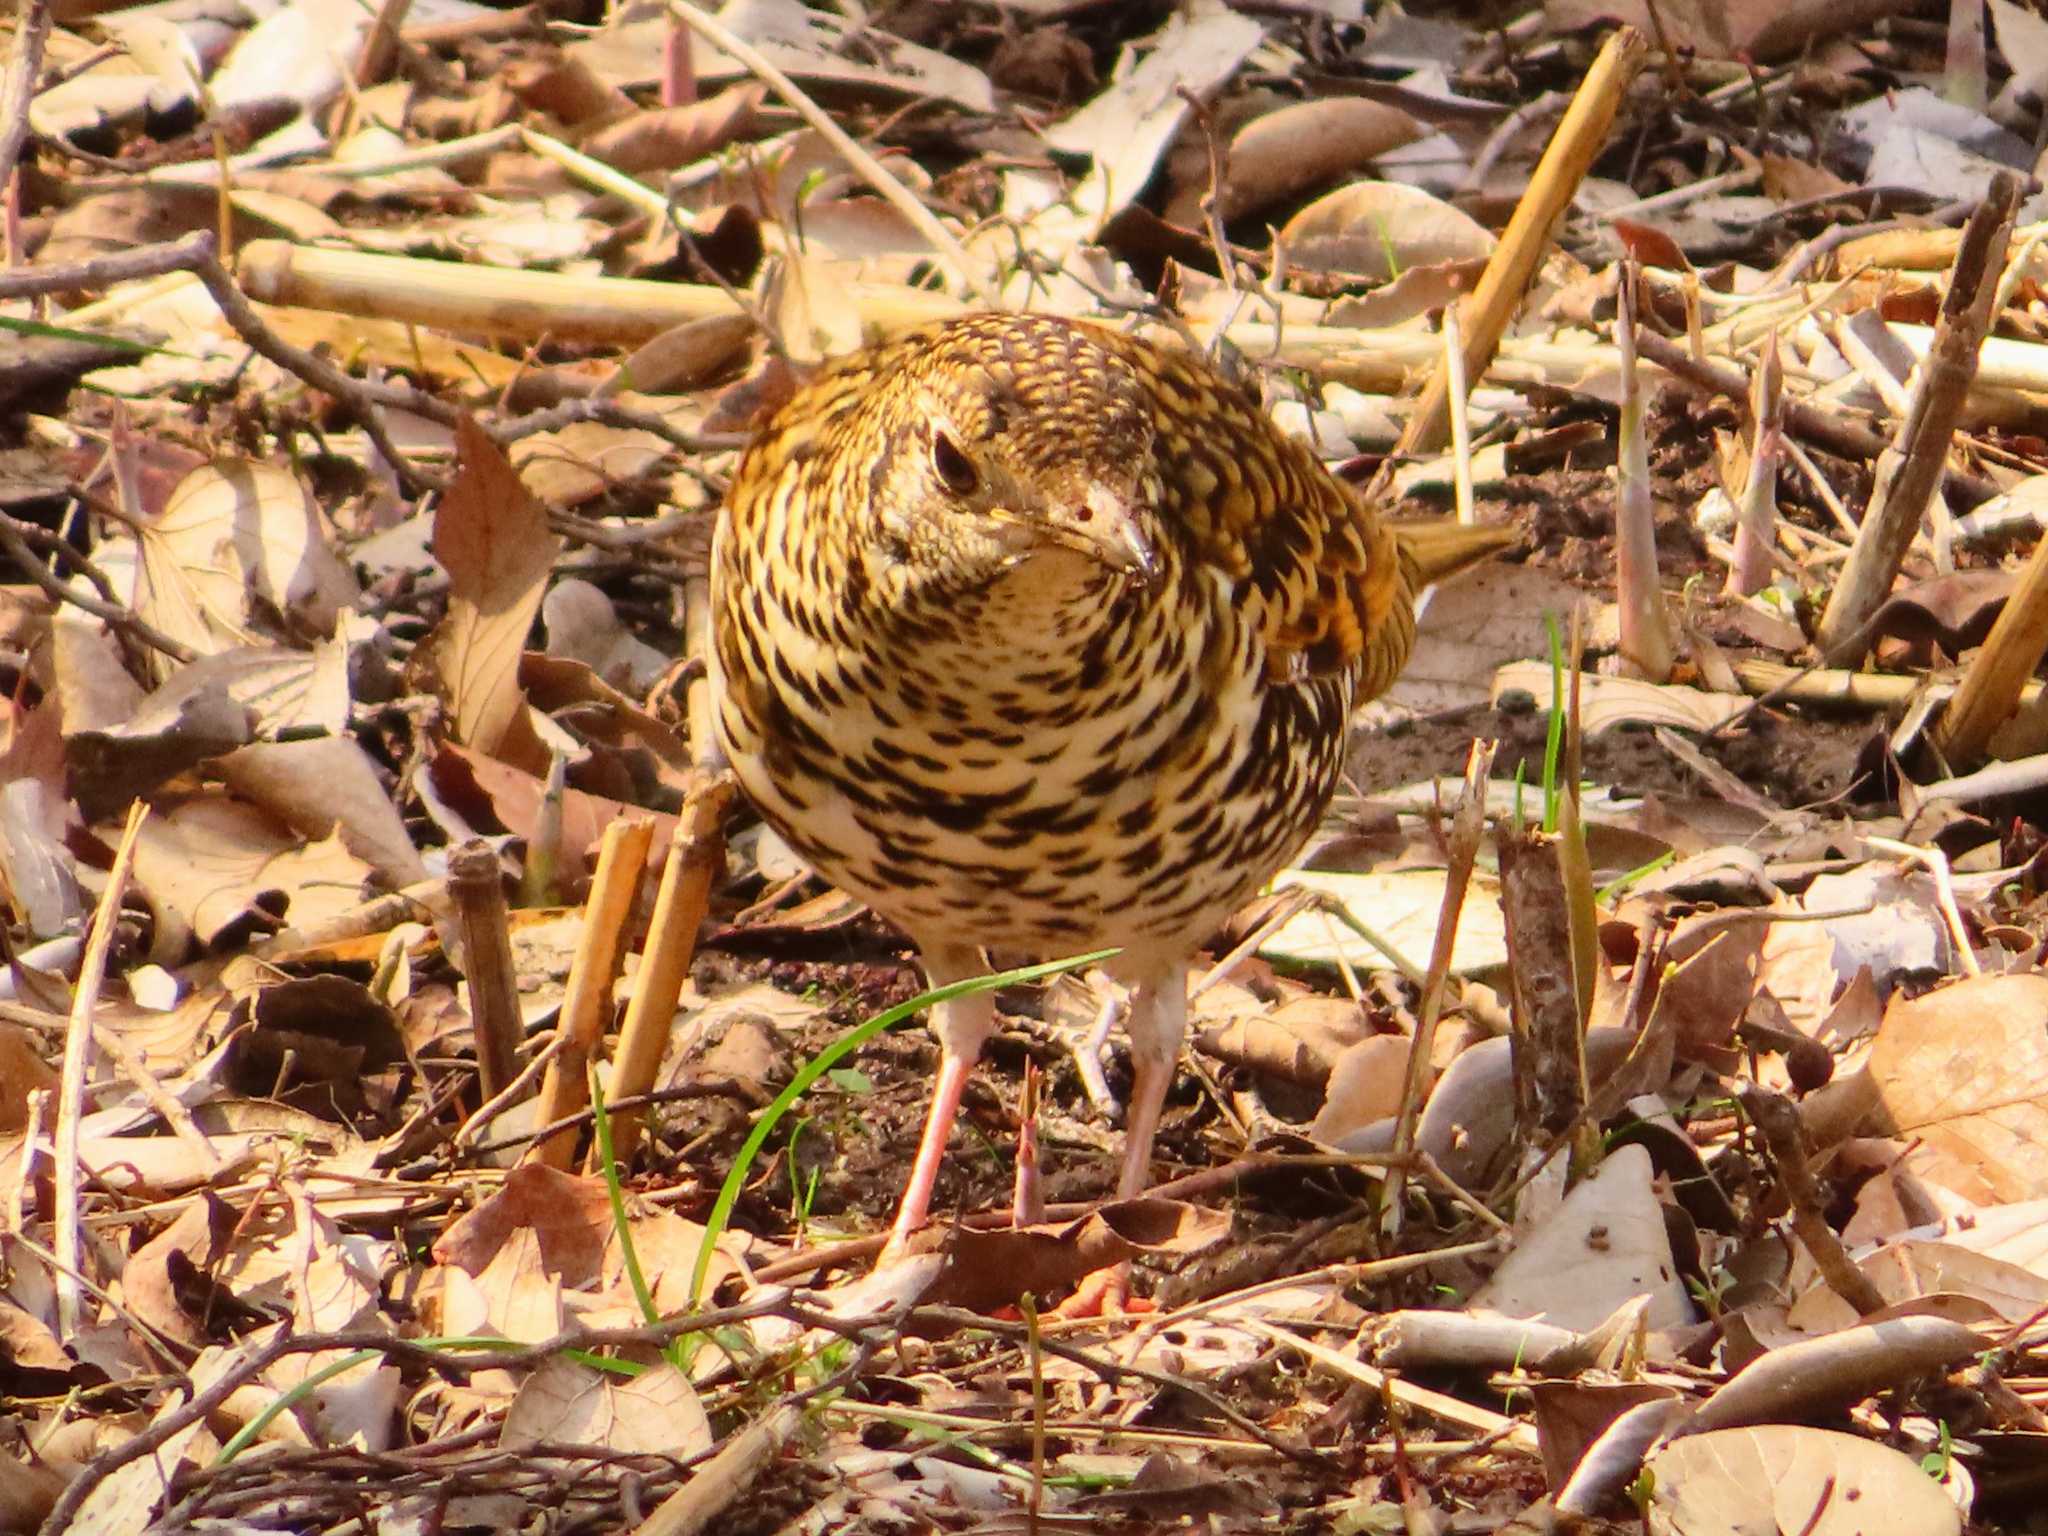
(1647, 1128)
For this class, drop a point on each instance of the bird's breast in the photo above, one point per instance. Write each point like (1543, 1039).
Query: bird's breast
(1034, 776)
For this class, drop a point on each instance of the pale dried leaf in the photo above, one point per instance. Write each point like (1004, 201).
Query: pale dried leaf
(1607, 702)
(328, 786)
(1964, 1070)
(1382, 230)
(237, 534)
(1605, 1244)
(1402, 907)
(218, 863)
(1787, 1477)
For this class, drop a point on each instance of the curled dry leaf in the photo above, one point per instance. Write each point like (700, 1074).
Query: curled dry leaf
(205, 710)
(38, 878)
(1830, 1374)
(169, 1282)
(1941, 1279)
(1298, 1041)
(992, 1269)
(1364, 1087)
(567, 1217)
(1964, 1071)
(659, 141)
(1287, 151)
(583, 626)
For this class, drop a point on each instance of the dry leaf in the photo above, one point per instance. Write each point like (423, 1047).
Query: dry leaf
(492, 537)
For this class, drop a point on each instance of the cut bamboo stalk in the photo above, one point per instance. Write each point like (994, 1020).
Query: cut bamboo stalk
(1841, 688)
(1648, 648)
(1911, 250)
(1991, 688)
(522, 306)
(1909, 474)
(476, 886)
(696, 855)
(1756, 534)
(1484, 317)
(586, 999)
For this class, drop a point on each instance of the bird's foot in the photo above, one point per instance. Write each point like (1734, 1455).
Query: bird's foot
(1105, 1293)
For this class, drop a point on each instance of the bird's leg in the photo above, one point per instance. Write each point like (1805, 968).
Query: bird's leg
(963, 1025)
(1157, 1019)
(1087, 1053)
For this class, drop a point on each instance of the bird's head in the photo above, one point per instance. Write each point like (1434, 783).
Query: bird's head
(1013, 447)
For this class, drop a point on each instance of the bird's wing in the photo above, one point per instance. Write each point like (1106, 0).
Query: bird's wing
(1322, 572)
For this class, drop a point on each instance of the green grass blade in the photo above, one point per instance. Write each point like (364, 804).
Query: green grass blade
(828, 1058)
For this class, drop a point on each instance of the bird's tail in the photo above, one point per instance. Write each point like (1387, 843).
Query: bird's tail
(1437, 548)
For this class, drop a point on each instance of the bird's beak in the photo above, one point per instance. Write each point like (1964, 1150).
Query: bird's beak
(1105, 526)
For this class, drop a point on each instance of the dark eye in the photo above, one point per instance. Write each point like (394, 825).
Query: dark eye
(955, 469)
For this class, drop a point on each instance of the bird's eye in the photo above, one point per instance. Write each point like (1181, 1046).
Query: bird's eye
(955, 469)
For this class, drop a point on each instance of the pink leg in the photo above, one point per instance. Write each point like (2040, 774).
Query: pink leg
(1158, 1018)
(963, 1026)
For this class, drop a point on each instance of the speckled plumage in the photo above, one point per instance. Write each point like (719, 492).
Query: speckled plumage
(1040, 638)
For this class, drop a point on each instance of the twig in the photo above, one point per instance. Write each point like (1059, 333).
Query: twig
(1112, 1370)
(15, 538)
(379, 53)
(1437, 1404)
(871, 170)
(1778, 1120)
(1549, 104)
(364, 399)
(105, 271)
(2021, 776)
(611, 413)
(738, 1464)
(78, 1039)
(442, 1360)
(741, 1090)
(1468, 825)
(24, 64)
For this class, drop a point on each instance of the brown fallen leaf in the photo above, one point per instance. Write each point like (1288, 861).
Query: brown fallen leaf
(984, 1270)
(492, 537)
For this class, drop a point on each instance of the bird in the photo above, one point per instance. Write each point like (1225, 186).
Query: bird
(1040, 638)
